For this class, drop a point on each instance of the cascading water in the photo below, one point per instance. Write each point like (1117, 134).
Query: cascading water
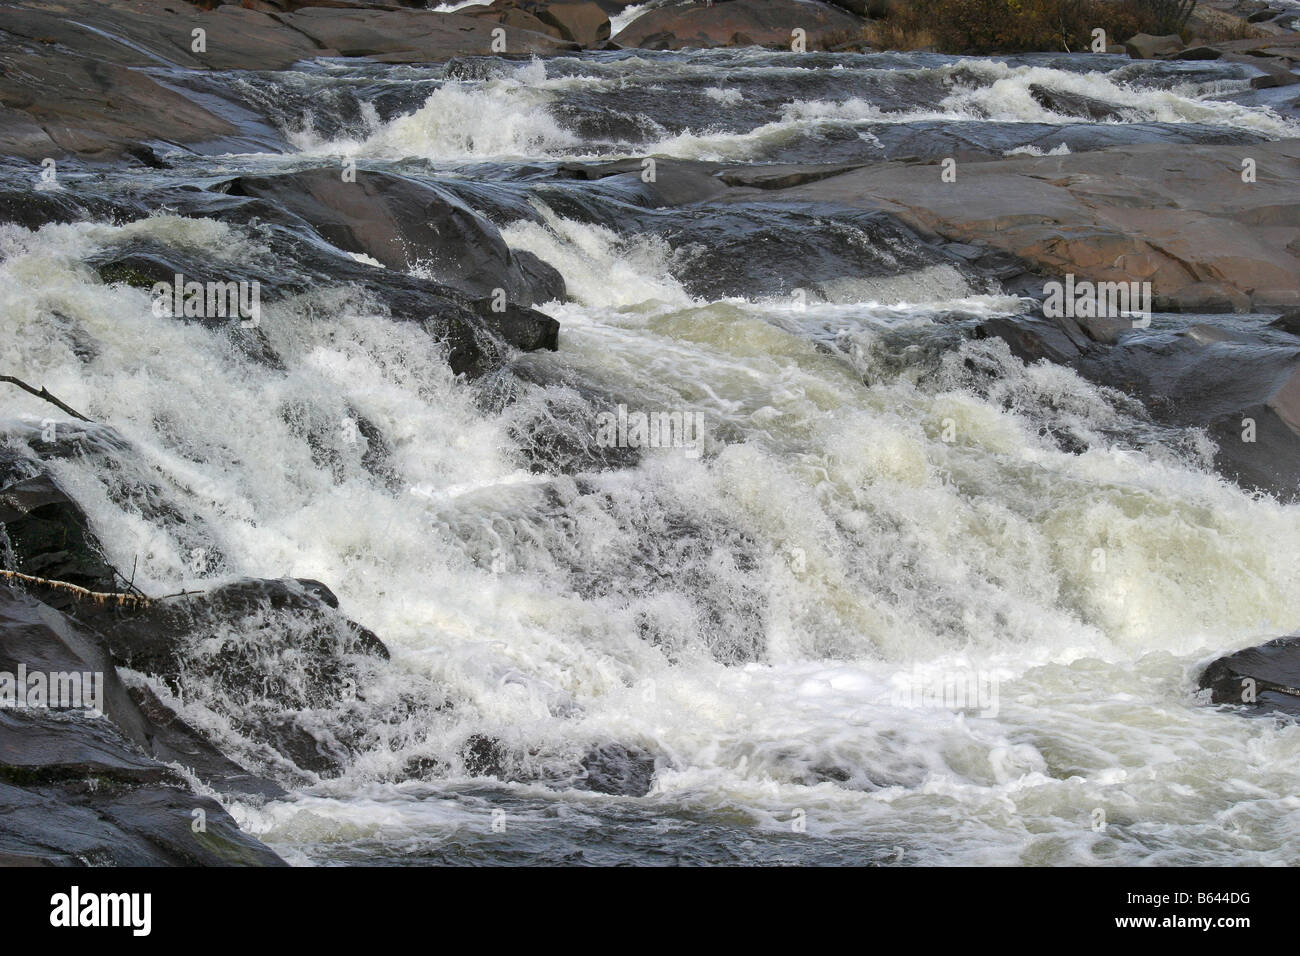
(878, 502)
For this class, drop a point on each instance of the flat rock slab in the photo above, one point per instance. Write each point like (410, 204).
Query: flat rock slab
(1182, 219)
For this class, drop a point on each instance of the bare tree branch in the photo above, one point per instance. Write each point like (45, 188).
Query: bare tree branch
(42, 393)
(80, 593)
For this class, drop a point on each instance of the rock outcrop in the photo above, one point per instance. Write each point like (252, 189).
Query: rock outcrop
(739, 23)
(78, 789)
(405, 225)
(1184, 219)
(61, 61)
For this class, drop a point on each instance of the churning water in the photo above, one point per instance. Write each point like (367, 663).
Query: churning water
(880, 507)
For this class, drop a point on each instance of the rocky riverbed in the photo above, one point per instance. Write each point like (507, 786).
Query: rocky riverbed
(363, 577)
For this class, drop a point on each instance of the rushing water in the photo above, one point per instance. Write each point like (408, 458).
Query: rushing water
(879, 505)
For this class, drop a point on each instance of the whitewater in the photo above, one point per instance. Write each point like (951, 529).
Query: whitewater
(882, 502)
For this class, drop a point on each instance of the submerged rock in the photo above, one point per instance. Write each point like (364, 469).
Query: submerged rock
(1074, 104)
(618, 770)
(1265, 679)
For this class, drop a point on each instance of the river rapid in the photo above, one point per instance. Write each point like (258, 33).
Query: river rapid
(906, 601)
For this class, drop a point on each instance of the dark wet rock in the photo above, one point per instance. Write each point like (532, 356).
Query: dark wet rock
(301, 260)
(75, 792)
(128, 481)
(46, 640)
(81, 788)
(483, 756)
(527, 328)
(1034, 339)
(1104, 330)
(1244, 392)
(1240, 386)
(268, 654)
(32, 208)
(174, 741)
(652, 182)
(41, 747)
(1200, 53)
(404, 224)
(618, 770)
(738, 23)
(45, 532)
(771, 249)
(1275, 72)
(1074, 104)
(1288, 322)
(1263, 679)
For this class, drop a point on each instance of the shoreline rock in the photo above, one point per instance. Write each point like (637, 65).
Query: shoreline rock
(740, 23)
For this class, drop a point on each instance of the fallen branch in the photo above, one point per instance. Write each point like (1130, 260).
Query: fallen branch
(80, 593)
(42, 393)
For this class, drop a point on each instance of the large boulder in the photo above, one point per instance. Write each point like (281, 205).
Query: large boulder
(46, 532)
(85, 788)
(1244, 390)
(408, 225)
(472, 327)
(1144, 46)
(413, 36)
(1181, 219)
(275, 658)
(578, 20)
(75, 792)
(739, 23)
